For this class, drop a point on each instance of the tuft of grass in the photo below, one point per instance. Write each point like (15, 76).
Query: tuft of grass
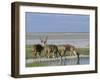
(28, 51)
(83, 51)
(34, 64)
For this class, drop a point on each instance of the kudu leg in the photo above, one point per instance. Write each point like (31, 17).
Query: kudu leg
(74, 52)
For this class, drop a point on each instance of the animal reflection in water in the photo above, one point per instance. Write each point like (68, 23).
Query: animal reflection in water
(53, 51)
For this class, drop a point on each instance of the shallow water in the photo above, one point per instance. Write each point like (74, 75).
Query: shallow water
(64, 61)
(74, 61)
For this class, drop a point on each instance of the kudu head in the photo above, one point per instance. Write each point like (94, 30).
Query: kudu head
(44, 41)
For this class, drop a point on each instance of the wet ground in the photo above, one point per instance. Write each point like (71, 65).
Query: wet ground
(60, 61)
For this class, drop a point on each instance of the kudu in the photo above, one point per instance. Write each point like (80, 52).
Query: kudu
(48, 50)
(36, 50)
(68, 49)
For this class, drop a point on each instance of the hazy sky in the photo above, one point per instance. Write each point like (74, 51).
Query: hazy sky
(43, 22)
